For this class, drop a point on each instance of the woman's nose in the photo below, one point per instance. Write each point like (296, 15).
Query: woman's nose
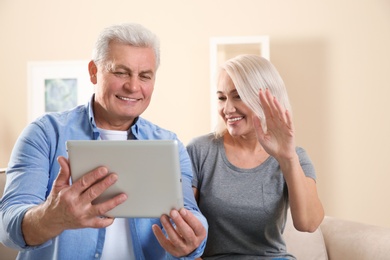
(229, 107)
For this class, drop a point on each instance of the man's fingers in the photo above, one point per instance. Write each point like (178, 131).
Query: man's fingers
(95, 189)
(184, 236)
(159, 235)
(194, 225)
(164, 242)
(88, 179)
(102, 208)
(63, 175)
(172, 232)
(188, 232)
(92, 185)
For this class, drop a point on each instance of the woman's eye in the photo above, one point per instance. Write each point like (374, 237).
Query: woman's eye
(221, 98)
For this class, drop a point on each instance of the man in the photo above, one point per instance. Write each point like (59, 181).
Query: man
(45, 217)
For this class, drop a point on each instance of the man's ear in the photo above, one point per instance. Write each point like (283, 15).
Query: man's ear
(92, 69)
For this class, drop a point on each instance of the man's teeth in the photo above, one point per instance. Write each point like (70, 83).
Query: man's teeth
(125, 98)
(234, 119)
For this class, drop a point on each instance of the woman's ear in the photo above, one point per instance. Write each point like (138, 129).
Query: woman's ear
(92, 69)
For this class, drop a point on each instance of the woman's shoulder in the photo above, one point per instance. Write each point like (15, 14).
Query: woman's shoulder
(203, 140)
(302, 153)
(202, 147)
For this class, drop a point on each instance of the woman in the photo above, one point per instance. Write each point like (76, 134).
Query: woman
(249, 171)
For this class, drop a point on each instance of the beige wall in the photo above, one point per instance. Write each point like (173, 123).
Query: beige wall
(334, 56)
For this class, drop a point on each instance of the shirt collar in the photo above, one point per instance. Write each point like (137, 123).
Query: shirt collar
(134, 129)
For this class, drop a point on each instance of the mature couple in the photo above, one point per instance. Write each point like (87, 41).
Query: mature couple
(237, 182)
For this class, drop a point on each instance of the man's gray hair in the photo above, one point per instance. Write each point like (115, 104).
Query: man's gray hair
(128, 33)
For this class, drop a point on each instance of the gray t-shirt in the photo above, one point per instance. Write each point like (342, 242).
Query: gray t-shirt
(245, 208)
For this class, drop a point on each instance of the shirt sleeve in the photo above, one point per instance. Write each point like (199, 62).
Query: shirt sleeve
(306, 163)
(27, 184)
(189, 198)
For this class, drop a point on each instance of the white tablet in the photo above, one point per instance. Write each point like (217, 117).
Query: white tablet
(148, 171)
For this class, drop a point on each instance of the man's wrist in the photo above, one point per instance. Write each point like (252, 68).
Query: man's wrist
(36, 230)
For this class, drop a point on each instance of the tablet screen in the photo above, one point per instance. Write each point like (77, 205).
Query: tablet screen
(148, 172)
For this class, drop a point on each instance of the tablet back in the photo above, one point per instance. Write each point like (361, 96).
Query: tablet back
(148, 171)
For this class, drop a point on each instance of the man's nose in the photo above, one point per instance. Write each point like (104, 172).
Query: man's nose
(132, 84)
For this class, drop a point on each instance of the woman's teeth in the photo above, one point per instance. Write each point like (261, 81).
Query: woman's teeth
(234, 119)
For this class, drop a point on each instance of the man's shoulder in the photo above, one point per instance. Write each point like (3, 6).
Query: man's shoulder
(148, 130)
(63, 116)
(75, 116)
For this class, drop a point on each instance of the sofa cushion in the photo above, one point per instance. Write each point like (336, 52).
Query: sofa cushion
(352, 240)
(303, 245)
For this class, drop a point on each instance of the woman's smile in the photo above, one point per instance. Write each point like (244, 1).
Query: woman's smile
(234, 119)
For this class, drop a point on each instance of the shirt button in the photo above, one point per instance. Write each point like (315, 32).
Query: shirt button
(96, 255)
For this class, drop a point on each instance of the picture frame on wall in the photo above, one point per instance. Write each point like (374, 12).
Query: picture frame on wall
(55, 86)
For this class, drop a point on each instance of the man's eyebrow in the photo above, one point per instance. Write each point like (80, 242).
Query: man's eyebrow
(149, 71)
(119, 66)
(127, 69)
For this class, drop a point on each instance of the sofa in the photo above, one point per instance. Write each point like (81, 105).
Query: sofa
(335, 239)
(338, 239)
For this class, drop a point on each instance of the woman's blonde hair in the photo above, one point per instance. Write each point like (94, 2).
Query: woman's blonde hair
(250, 73)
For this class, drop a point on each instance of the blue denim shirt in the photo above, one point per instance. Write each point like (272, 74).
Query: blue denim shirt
(33, 167)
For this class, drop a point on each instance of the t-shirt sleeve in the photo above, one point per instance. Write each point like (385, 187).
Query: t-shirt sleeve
(306, 163)
(191, 148)
(199, 150)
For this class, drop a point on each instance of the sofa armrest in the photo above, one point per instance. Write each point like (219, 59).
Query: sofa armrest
(5, 252)
(352, 240)
(304, 245)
